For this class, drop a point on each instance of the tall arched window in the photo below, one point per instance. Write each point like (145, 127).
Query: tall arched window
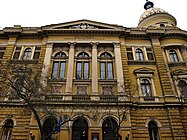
(80, 129)
(106, 66)
(139, 54)
(173, 56)
(183, 87)
(59, 66)
(27, 54)
(153, 131)
(146, 88)
(49, 125)
(110, 129)
(82, 71)
(7, 130)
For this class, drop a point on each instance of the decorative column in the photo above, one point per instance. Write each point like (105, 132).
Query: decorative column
(94, 69)
(47, 60)
(119, 69)
(69, 80)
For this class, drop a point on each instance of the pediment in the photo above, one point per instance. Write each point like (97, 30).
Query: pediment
(179, 72)
(144, 70)
(82, 24)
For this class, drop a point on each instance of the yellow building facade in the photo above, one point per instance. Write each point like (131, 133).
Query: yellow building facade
(108, 78)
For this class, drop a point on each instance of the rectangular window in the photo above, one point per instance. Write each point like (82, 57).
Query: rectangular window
(130, 54)
(79, 70)
(62, 70)
(103, 71)
(2, 51)
(37, 53)
(149, 53)
(55, 70)
(86, 70)
(17, 53)
(110, 70)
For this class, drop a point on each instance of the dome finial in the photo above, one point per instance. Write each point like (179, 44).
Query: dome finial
(148, 5)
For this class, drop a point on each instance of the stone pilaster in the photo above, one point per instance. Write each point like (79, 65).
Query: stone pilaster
(69, 80)
(94, 69)
(119, 69)
(162, 70)
(47, 59)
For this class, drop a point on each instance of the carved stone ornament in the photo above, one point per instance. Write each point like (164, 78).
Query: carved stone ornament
(83, 26)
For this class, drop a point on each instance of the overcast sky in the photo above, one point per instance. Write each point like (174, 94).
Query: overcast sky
(36, 13)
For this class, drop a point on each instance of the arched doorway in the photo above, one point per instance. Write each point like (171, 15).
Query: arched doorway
(80, 129)
(153, 131)
(49, 125)
(110, 129)
(7, 130)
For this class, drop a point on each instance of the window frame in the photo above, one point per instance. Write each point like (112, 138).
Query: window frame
(146, 84)
(106, 72)
(139, 54)
(182, 94)
(20, 53)
(84, 64)
(173, 56)
(59, 60)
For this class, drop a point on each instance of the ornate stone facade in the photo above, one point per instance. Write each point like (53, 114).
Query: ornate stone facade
(100, 73)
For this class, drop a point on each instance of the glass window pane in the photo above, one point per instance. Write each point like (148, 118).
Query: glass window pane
(36, 55)
(150, 56)
(110, 71)
(79, 70)
(173, 56)
(27, 54)
(102, 70)
(55, 70)
(86, 70)
(130, 56)
(1, 55)
(139, 54)
(62, 69)
(16, 55)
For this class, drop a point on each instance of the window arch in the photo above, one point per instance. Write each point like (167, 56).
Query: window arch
(106, 66)
(82, 68)
(27, 54)
(49, 125)
(183, 87)
(146, 88)
(109, 129)
(80, 129)
(173, 56)
(139, 54)
(59, 65)
(7, 130)
(153, 130)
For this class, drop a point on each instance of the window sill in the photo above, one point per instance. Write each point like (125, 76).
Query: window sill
(135, 62)
(57, 80)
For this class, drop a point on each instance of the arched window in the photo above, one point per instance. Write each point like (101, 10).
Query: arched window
(82, 70)
(80, 129)
(110, 129)
(183, 87)
(173, 56)
(153, 131)
(7, 130)
(139, 54)
(146, 88)
(106, 66)
(59, 66)
(49, 125)
(27, 54)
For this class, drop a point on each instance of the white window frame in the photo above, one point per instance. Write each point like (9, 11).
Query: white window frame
(167, 51)
(23, 48)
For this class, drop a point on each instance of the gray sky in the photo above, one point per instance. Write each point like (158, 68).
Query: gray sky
(31, 13)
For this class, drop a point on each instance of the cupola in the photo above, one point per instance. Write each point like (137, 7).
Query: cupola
(155, 17)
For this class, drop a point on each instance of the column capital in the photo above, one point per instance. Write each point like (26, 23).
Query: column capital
(49, 45)
(94, 44)
(72, 44)
(116, 44)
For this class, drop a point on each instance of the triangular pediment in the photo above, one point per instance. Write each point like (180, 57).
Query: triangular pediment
(144, 70)
(179, 72)
(82, 24)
